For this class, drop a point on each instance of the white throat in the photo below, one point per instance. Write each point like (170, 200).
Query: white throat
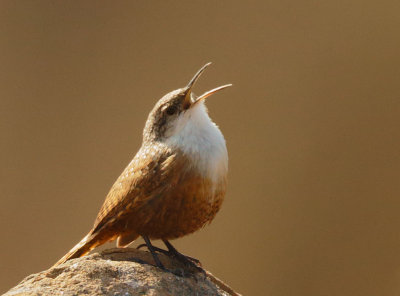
(201, 140)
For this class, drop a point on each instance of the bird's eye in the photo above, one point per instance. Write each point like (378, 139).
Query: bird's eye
(171, 110)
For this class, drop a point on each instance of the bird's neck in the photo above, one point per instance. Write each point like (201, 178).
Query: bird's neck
(200, 139)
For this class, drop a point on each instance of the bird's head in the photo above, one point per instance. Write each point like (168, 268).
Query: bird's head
(177, 111)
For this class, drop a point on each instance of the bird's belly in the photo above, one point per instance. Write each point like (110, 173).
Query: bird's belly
(181, 209)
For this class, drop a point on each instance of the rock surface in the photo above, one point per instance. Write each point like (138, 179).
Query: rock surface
(121, 272)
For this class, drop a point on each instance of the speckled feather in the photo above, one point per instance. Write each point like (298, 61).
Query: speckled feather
(137, 183)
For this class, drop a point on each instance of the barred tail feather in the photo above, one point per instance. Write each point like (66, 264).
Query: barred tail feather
(88, 243)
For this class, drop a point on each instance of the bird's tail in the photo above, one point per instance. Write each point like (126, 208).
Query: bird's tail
(88, 243)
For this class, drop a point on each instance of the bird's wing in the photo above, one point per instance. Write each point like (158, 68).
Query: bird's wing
(145, 177)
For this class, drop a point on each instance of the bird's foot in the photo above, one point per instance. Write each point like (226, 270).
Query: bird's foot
(172, 252)
(186, 260)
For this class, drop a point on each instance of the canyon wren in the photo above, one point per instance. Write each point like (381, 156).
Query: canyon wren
(174, 185)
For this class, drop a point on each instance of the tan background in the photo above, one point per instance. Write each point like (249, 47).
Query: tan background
(312, 126)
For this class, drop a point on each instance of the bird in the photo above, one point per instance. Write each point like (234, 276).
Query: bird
(174, 185)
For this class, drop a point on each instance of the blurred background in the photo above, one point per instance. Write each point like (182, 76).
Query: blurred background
(312, 127)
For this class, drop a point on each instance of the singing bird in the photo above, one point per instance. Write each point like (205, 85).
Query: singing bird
(174, 185)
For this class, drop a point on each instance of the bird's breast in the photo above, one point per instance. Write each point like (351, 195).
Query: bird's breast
(201, 141)
(187, 203)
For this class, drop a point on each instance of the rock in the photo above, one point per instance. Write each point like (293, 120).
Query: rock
(121, 272)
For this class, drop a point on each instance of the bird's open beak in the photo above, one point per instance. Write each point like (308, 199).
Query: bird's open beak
(191, 100)
(209, 93)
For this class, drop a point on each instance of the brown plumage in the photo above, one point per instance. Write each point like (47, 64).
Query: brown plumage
(169, 189)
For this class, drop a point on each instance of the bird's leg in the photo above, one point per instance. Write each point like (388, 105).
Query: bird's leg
(194, 263)
(157, 249)
(153, 252)
(185, 259)
(175, 253)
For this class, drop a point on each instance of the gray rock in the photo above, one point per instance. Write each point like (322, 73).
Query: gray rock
(121, 272)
